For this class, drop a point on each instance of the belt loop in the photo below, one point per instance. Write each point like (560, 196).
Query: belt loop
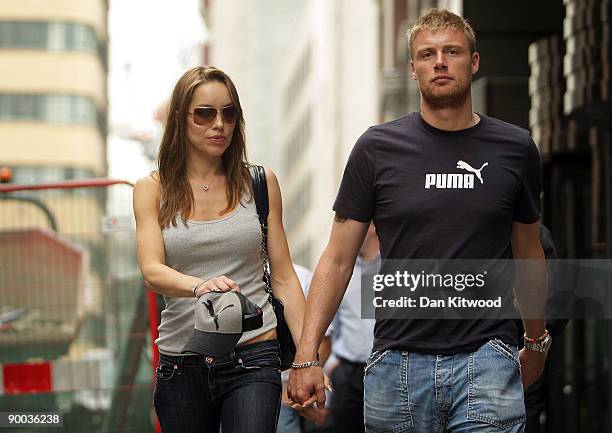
(179, 364)
(232, 356)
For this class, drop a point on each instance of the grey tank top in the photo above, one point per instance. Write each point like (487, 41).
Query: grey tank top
(230, 246)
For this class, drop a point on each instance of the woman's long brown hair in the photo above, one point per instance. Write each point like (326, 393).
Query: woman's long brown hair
(176, 193)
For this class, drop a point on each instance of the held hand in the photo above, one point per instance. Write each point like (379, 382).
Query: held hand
(314, 414)
(217, 284)
(532, 366)
(307, 386)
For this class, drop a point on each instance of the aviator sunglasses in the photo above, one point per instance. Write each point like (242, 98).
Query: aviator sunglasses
(206, 115)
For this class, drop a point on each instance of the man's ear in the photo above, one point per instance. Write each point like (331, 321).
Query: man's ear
(412, 72)
(475, 62)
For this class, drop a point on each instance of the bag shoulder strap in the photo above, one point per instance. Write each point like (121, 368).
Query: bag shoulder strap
(260, 192)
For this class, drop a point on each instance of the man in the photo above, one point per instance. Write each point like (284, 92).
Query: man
(444, 183)
(352, 339)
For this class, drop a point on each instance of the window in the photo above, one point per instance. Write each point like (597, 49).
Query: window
(299, 204)
(51, 109)
(55, 36)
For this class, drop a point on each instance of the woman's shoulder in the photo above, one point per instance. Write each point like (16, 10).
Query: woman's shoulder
(148, 187)
(271, 178)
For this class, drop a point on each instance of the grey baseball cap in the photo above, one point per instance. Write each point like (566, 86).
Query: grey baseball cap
(220, 320)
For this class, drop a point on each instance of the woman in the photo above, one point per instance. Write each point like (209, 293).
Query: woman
(198, 231)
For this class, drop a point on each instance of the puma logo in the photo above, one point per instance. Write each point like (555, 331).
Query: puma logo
(455, 180)
(465, 166)
(209, 306)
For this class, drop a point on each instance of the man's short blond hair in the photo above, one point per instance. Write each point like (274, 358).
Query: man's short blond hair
(441, 19)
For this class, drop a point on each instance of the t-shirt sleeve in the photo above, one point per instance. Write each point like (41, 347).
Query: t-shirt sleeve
(527, 204)
(355, 199)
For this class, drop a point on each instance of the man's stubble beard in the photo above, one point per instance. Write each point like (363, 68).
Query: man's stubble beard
(447, 100)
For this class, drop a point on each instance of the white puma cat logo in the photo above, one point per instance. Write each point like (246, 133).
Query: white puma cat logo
(465, 166)
(455, 180)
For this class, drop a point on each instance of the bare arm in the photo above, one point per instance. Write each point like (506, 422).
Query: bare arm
(531, 293)
(329, 283)
(150, 244)
(531, 290)
(327, 288)
(285, 283)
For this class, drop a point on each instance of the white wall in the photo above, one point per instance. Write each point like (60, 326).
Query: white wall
(246, 40)
(341, 90)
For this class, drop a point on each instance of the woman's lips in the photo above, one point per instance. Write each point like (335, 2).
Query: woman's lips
(217, 139)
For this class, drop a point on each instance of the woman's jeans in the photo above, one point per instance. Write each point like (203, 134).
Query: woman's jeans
(240, 390)
(477, 392)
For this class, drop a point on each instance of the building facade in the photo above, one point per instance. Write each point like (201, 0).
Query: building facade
(246, 40)
(330, 90)
(53, 91)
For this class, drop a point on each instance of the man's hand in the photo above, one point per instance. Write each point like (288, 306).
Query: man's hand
(307, 386)
(532, 366)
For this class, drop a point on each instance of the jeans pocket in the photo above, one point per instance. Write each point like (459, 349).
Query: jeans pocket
(375, 358)
(165, 371)
(261, 359)
(495, 390)
(505, 349)
(386, 403)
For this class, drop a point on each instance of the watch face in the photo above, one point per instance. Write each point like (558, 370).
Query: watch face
(546, 343)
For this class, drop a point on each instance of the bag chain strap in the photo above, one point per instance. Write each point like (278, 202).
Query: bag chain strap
(264, 258)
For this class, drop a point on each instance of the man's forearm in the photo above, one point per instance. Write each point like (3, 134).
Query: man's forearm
(532, 294)
(324, 296)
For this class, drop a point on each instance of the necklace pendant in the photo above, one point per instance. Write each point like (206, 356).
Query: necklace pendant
(205, 187)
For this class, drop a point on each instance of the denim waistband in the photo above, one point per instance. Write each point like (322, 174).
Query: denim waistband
(258, 348)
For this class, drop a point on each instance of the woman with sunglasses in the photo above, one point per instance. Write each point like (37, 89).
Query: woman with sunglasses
(198, 231)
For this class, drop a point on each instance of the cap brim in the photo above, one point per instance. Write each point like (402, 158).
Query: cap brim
(211, 344)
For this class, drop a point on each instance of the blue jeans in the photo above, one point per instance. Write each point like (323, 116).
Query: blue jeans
(240, 391)
(288, 420)
(477, 392)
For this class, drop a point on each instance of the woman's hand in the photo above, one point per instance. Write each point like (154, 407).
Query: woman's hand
(216, 284)
(315, 414)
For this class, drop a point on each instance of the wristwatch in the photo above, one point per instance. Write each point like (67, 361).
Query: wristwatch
(540, 344)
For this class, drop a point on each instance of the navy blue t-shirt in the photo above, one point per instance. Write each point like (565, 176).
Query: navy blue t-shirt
(436, 194)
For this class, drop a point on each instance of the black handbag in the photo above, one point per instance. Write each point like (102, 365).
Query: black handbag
(286, 346)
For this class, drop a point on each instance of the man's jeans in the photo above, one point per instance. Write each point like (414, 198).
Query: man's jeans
(240, 390)
(477, 392)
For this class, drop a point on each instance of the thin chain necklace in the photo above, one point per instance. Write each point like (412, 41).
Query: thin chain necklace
(206, 186)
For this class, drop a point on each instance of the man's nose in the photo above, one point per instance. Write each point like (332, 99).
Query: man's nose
(440, 61)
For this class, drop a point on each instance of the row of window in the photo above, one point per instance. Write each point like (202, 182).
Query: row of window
(298, 80)
(298, 141)
(53, 36)
(51, 109)
(299, 204)
(32, 175)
